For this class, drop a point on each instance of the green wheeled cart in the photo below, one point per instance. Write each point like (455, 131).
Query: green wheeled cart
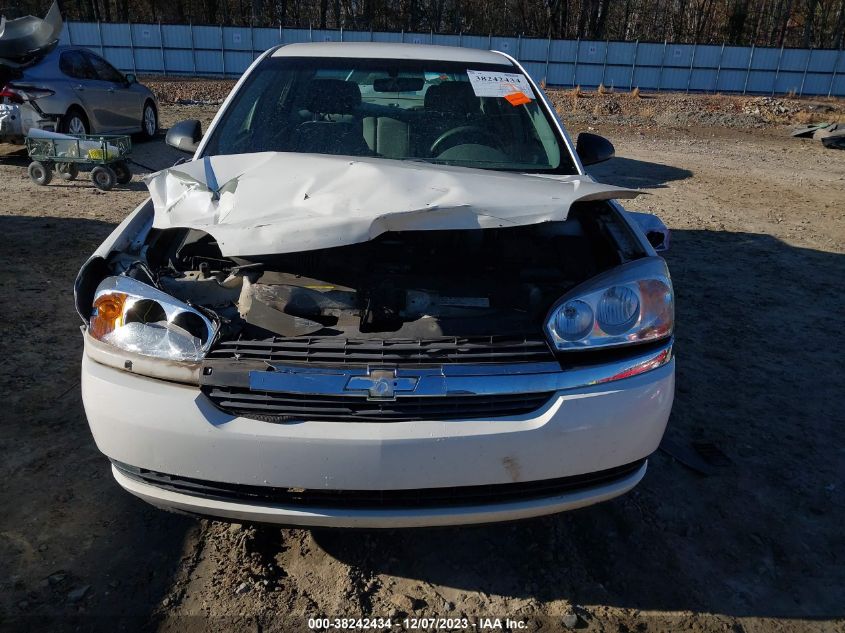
(62, 154)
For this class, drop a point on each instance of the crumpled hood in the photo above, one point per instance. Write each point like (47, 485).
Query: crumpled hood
(272, 202)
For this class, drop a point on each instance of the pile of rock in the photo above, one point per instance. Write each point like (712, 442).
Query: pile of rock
(770, 108)
(190, 91)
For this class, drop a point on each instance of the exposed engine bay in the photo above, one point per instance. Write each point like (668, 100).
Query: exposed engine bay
(414, 284)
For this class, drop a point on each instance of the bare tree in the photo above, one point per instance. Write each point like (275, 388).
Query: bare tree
(761, 22)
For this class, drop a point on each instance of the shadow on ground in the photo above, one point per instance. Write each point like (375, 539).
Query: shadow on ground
(637, 174)
(759, 383)
(76, 552)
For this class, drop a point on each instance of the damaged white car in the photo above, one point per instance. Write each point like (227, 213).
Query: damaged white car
(384, 293)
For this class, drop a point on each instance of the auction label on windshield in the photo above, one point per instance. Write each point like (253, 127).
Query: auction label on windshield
(492, 84)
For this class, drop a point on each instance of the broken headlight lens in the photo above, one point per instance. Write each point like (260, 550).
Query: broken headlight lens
(632, 303)
(135, 317)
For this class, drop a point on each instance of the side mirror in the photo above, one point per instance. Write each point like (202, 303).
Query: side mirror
(185, 135)
(593, 148)
(130, 79)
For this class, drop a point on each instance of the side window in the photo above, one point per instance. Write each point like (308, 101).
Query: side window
(104, 70)
(73, 64)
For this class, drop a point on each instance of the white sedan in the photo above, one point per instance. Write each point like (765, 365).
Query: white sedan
(384, 293)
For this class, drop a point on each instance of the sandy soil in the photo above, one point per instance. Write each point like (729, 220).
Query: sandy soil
(758, 259)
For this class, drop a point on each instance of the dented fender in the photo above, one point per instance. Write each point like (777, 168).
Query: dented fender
(128, 236)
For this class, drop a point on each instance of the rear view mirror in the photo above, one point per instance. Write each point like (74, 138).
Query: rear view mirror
(593, 148)
(131, 79)
(185, 135)
(398, 84)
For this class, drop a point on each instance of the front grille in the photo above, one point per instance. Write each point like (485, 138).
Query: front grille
(382, 499)
(336, 350)
(286, 407)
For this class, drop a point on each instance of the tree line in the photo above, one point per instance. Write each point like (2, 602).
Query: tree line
(804, 23)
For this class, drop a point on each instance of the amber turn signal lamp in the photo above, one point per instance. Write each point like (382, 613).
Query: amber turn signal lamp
(107, 314)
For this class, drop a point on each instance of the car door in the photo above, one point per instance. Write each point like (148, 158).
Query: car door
(88, 88)
(124, 104)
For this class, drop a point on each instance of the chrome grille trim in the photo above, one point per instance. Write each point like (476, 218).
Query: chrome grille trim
(287, 407)
(342, 351)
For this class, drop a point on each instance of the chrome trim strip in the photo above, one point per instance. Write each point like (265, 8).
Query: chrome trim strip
(181, 371)
(449, 380)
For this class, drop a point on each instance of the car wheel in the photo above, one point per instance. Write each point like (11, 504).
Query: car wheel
(75, 122)
(40, 173)
(149, 121)
(67, 171)
(103, 177)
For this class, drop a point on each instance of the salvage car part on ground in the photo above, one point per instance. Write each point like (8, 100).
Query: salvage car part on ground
(824, 131)
(383, 294)
(831, 135)
(807, 131)
(836, 138)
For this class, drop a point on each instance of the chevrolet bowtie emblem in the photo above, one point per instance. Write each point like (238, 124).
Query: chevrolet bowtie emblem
(381, 384)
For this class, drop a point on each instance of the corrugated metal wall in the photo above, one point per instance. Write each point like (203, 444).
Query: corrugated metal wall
(227, 51)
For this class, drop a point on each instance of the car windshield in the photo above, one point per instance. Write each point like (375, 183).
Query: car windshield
(470, 115)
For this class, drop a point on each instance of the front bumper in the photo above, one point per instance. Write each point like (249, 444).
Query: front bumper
(401, 516)
(175, 429)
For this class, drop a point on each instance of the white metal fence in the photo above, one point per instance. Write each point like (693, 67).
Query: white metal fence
(227, 51)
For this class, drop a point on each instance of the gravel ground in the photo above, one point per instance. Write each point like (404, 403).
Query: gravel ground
(758, 258)
(659, 110)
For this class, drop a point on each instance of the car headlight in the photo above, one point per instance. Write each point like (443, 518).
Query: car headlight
(136, 317)
(632, 303)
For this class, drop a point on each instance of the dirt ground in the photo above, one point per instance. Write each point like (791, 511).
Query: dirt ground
(758, 262)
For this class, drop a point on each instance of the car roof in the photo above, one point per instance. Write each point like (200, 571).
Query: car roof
(385, 50)
(65, 47)
(58, 50)
(45, 63)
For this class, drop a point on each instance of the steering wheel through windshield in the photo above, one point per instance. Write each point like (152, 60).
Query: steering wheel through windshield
(462, 135)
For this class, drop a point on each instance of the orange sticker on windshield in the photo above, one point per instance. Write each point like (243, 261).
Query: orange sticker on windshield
(517, 98)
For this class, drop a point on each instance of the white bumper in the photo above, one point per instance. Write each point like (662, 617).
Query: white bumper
(11, 125)
(174, 429)
(16, 120)
(392, 518)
